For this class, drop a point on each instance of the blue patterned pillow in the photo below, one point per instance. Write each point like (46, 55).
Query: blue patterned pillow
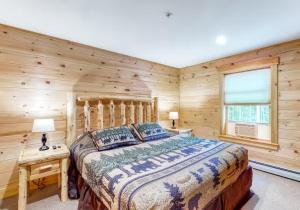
(151, 131)
(110, 138)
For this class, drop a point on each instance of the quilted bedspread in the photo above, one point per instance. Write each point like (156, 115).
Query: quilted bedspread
(174, 173)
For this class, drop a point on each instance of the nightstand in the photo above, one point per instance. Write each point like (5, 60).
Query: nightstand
(186, 132)
(35, 164)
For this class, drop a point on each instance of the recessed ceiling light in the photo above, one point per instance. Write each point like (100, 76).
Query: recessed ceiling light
(221, 40)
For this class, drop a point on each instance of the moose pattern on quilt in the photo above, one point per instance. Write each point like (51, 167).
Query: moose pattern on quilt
(110, 138)
(174, 173)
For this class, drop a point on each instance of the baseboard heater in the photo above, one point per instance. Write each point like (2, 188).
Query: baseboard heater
(290, 174)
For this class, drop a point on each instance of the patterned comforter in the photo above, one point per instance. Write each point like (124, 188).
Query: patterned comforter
(174, 173)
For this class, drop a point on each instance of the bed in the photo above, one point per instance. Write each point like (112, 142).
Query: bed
(171, 173)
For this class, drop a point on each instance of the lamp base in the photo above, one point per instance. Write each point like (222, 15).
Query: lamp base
(43, 148)
(44, 140)
(173, 124)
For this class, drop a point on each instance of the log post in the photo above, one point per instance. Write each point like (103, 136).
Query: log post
(71, 118)
(64, 179)
(149, 112)
(156, 110)
(22, 188)
(131, 119)
(87, 116)
(112, 113)
(123, 113)
(100, 115)
(140, 114)
(144, 112)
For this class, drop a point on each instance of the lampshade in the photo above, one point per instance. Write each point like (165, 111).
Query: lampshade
(43, 125)
(173, 115)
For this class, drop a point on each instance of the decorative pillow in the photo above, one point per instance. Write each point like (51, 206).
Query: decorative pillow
(110, 138)
(150, 131)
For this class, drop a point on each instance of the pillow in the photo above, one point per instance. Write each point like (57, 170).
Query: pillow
(150, 131)
(83, 141)
(110, 138)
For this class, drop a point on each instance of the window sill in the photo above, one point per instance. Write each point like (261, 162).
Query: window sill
(250, 142)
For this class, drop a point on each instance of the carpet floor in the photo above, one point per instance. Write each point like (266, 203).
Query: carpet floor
(271, 193)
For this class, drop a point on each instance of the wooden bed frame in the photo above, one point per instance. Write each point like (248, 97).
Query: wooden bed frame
(140, 110)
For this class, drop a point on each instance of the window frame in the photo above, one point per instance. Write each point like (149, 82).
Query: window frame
(271, 63)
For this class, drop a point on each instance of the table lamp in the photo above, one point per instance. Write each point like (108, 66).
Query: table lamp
(43, 126)
(173, 116)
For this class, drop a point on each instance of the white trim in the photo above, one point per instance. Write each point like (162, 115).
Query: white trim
(276, 170)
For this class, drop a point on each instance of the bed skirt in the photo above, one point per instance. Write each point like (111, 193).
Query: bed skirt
(232, 197)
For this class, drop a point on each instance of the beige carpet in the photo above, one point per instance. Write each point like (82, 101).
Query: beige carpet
(271, 193)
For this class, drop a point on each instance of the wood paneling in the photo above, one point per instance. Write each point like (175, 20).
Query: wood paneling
(199, 100)
(39, 76)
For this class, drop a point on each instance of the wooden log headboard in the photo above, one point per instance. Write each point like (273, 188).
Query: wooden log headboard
(139, 110)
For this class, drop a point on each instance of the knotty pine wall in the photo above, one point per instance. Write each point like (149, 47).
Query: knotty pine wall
(199, 101)
(37, 71)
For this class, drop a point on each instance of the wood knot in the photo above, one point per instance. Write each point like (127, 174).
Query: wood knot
(5, 32)
(71, 48)
(127, 90)
(47, 82)
(63, 65)
(205, 67)
(135, 75)
(102, 62)
(39, 62)
(23, 83)
(58, 54)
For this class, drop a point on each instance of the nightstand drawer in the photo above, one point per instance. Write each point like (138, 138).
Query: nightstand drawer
(44, 169)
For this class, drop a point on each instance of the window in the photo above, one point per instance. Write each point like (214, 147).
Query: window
(249, 103)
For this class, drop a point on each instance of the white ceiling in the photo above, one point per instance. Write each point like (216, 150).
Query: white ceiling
(139, 27)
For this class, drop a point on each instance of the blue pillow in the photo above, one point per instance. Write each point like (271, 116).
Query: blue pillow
(110, 138)
(150, 131)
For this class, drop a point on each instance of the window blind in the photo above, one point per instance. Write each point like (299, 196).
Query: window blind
(248, 87)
